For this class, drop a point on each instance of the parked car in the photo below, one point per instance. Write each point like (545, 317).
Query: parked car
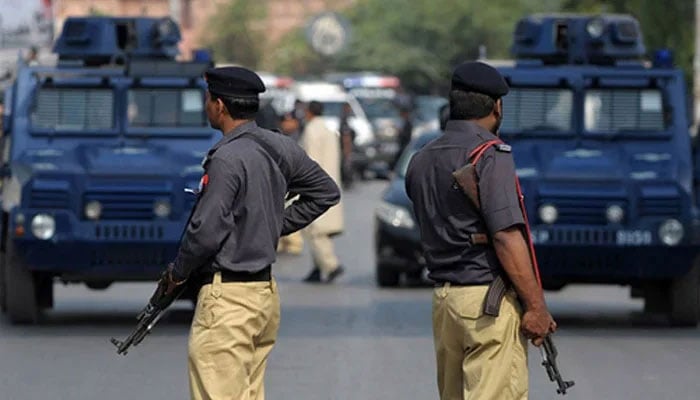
(396, 235)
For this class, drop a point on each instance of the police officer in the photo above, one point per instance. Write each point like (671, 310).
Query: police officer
(479, 356)
(232, 236)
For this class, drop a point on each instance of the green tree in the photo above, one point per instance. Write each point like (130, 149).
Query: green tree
(236, 34)
(422, 43)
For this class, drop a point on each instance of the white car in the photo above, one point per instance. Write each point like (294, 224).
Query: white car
(333, 98)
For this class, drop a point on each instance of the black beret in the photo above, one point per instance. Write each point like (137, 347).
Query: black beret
(475, 76)
(234, 82)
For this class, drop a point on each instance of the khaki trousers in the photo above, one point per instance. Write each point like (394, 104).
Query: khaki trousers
(322, 251)
(292, 243)
(479, 357)
(233, 331)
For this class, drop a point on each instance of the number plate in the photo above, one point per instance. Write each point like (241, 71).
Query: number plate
(633, 238)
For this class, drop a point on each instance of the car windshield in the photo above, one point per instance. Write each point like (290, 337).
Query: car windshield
(402, 164)
(166, 107)
(427, 107)
(537, 110)
(411, 150)
(616, 110)
(73, 109)
(335, 109)
(379, 107)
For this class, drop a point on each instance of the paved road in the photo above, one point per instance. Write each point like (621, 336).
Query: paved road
(348, 341)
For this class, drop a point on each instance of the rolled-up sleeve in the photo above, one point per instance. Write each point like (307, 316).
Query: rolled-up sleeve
(212, 220)
(500, 205)
(316, 189)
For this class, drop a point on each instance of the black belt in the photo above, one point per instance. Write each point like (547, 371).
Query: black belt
(263, 275)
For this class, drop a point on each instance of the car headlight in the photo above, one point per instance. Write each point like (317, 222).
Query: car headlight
(671, 232)
(395, 216)
(43, 226)
(615, 214)
(548, 214)
(595, 28)
(162, 208)
(93, 210)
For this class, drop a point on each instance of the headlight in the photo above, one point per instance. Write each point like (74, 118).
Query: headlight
(615, 214)
(162, 208)
(43, 226)
(595, 28)
(93, 210)
(396, 216)
(671, 232)
(548, 214)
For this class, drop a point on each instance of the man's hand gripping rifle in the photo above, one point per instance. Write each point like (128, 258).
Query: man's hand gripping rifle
(161, 299)
(467, 180)
(549, 361)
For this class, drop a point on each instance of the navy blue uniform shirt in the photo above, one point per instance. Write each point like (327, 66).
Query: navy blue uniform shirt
(444, 214)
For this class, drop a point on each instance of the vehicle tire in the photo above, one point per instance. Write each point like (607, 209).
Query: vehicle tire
(3, 289)
(44, 291)
(387, 277)
(685, 298)
(657, 299)
(22, 305)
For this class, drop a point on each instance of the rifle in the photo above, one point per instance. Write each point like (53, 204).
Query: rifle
(467, 180)
(150, 315)
(549, 361)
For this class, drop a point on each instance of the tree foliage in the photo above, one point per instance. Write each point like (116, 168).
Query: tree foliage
(236, 33)
(425, 40)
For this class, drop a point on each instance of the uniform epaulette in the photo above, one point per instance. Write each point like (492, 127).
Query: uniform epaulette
(503, 148)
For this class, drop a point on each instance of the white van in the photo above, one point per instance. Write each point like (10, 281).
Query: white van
(333, 98)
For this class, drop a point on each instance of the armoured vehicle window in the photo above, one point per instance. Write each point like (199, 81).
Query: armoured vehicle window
(537, 109)
(166, 107)
(73, 109)
(615, 110)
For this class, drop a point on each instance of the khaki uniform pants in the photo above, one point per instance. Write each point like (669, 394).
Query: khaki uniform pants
(233, 331)
(322, 251)
(293, 243)
(479, 357)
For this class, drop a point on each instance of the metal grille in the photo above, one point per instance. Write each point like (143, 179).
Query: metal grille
(126, 204)
(659, 207)
(582, 236)
(128, 232)
(49, 199)
(581, 210)
(614, 110)
(73, 109)
(534, 108)
(128, 257)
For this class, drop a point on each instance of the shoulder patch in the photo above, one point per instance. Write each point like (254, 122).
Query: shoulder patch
(503, 148)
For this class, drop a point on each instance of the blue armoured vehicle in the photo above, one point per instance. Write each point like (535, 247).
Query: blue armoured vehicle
(602, 148)
(97, 152)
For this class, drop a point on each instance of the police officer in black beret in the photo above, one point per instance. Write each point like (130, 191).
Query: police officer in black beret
(480, 327)
(231, 239)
